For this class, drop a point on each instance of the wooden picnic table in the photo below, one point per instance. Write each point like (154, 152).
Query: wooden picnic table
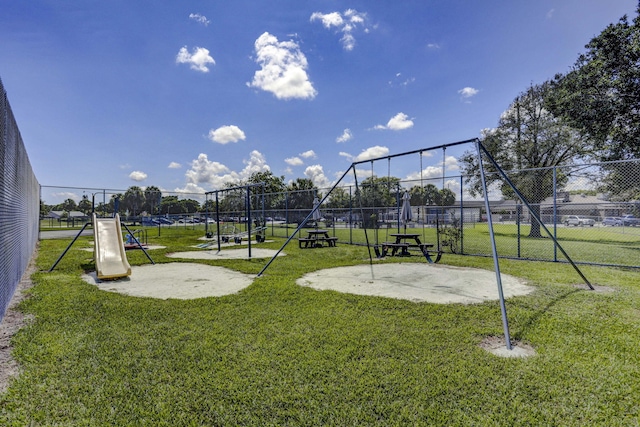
(402, 243)
(316, 239)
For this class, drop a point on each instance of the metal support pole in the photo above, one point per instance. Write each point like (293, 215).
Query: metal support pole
(303, 222)
(496, 264)
(248, 209)
(69, 247)
(218, 222)
(555, 215)
(461, 215)
(535, 215)
(138, 242)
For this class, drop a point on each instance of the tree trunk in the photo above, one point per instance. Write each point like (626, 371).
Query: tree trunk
(535, 225)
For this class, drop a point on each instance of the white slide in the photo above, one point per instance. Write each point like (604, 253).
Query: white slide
(109, 252)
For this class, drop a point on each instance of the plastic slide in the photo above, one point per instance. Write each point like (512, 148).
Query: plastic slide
(110, 256)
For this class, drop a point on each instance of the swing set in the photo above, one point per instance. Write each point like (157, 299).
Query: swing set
(481, 153)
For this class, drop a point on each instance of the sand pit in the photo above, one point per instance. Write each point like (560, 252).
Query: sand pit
(176, 280)
(419, 282)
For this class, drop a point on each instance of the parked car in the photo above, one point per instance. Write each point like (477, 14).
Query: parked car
(149, 221)
(613, 221)
(578, 221)
(630, 221)
(163, 220)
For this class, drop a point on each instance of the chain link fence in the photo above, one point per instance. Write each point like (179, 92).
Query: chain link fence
(19, 205)
(590, 209)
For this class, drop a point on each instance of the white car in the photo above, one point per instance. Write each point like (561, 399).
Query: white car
(578, 221)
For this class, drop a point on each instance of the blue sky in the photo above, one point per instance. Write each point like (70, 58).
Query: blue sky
(187, 95)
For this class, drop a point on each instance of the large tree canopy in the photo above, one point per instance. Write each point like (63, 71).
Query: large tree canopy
(528, 136)
(601, 95)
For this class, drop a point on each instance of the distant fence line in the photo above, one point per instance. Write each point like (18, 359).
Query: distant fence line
(583, 206)
(19, 205)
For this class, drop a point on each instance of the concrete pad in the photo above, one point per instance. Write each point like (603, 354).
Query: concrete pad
(226, 254)
(175, 280)
(418, 282)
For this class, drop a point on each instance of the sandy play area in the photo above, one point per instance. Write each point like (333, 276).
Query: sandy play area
(419, 282)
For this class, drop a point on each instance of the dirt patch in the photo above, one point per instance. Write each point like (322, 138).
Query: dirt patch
(497, 346)
(12, 321)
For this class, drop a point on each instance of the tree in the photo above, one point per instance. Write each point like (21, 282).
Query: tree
(133, 200)
(601, 95)
(445, 197)
(274, 189)
(190, 205)
(301, 193)
(69, 205)
(529, 137)
(170, 205)
(427, 195)
(338, 199)
(379, 191)
(85, 205)
(44, 209)
(152, 198)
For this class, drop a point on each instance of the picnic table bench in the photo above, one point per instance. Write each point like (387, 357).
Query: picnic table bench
(316, 239)
(400, 247)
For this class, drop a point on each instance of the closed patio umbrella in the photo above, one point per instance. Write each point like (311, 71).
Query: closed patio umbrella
(316, 213)
(405, 213)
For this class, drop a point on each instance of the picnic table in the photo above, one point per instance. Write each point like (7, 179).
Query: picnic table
(316, 239)
(401, 245)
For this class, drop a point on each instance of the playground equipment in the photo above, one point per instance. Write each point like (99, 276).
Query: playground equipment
(137, 240)
(109, 252)
(258, 229)
(481, 153)
(229, 233)
(110, 261)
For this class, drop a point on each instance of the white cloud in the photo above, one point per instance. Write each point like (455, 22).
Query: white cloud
(174, 165)
(400, 80)
(190, 188)
(214, 175)
(345, 23)
(333, 19)
(199, 18)
(346, 136)
(451, 163)
(256, 163)
(316, 174)
(433, 46)
(294, 161)
(398, 122)
(310, 154)
(372, 153)
(226, 134)
(432, 172)
(198, 60)
(64, 195)
(550, 13)
(138, 176)
(468, 92)
(283, 71)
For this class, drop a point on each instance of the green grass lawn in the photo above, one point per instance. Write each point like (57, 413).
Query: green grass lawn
(280, 354)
